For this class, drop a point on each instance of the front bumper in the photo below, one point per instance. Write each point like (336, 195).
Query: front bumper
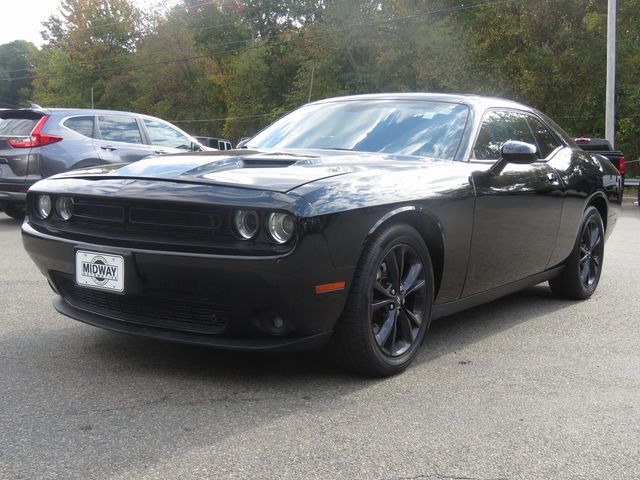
(169, 295)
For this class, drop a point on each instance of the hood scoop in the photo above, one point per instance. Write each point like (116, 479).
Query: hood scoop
(266, 163)
(235, 163)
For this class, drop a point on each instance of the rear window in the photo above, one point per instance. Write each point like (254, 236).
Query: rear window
(18, 127)
(81, 125)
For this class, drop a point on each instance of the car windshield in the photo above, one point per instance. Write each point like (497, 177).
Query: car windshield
(400, 127)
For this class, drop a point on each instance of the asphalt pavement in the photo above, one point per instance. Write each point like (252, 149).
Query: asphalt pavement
(526, 387)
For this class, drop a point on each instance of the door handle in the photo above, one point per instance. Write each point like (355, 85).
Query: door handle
(109, 148)
(160, 152)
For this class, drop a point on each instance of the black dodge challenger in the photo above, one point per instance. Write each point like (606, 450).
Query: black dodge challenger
(354, 220)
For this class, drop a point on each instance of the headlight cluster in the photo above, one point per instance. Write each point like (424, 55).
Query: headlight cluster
(280, 227)
(45, 206)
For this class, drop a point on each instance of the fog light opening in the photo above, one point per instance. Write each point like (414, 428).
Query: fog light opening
(273, 323)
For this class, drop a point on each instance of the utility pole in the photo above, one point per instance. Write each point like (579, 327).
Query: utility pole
(313, 71)
(610, 118)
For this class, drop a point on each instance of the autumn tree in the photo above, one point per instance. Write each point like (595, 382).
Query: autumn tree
(87, 44)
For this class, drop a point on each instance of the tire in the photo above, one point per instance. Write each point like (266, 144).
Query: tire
(388, 309)
(581, 273)
(13, 211)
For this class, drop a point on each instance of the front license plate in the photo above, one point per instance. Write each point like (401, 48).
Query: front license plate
(100, 270)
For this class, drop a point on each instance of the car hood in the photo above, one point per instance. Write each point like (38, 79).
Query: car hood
(279, 171)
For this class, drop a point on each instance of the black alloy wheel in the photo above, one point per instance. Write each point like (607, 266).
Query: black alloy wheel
(399, 297)
(591, 249)
(389, 305)
(583, 268)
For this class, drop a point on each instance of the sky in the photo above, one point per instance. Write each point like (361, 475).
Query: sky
(22, 19)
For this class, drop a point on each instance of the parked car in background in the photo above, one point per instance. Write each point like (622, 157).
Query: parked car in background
(353, 220)
(600, 146)
(216, 143)
(36, 143)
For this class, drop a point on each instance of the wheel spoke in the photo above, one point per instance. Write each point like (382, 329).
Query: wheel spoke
(386, 329)
(393, 269)
(418, 286)
(413, 317)
(394, 331)
(584, 272)
(381, 290)
(405, 326)
(595, 237)
(412, 276)
(375, 306)
(593, 270)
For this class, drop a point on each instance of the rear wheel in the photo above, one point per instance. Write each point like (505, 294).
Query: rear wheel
(389, 305)
(581, 274)
(13, 211)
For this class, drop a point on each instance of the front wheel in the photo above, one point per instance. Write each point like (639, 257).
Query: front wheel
(582, 270)
(389, 306)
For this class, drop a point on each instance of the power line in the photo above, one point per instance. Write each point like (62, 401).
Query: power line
(345, 27)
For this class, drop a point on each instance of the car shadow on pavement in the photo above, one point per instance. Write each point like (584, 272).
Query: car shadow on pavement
(447, 335)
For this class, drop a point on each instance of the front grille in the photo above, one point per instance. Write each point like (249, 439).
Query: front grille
(155, 310)
(192, 228)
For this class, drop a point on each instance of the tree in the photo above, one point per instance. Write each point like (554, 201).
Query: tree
(88, 43)
(15, 66)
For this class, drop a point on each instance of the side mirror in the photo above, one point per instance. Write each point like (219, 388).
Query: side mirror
(512, 151)
(519, 152)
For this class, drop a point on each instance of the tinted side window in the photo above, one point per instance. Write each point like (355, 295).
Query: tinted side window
(119, 129)
(547, 143)
(497, 128)
(164, 136)
(81, 125)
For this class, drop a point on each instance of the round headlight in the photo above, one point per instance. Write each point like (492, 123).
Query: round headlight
(64, 207)
(246, 223)
(43, 206)
(281, 227)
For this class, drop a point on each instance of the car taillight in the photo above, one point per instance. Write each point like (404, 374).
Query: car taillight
(36, 139)
(621, 166)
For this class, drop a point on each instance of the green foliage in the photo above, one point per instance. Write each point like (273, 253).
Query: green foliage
(15, 65)
(228, 67)
(89, 43)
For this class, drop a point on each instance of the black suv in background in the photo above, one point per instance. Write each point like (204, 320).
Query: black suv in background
(36, 143)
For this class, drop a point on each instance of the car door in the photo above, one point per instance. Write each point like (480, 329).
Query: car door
(166, 139)
(517, 212)
(119, 139)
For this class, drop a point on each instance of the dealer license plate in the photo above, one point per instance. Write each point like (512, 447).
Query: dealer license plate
(100, 270)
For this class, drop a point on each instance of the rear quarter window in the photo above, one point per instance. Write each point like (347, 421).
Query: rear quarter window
(82, 125)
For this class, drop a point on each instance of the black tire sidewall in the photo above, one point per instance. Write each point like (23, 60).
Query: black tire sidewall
(571, 278)
(373, 255)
